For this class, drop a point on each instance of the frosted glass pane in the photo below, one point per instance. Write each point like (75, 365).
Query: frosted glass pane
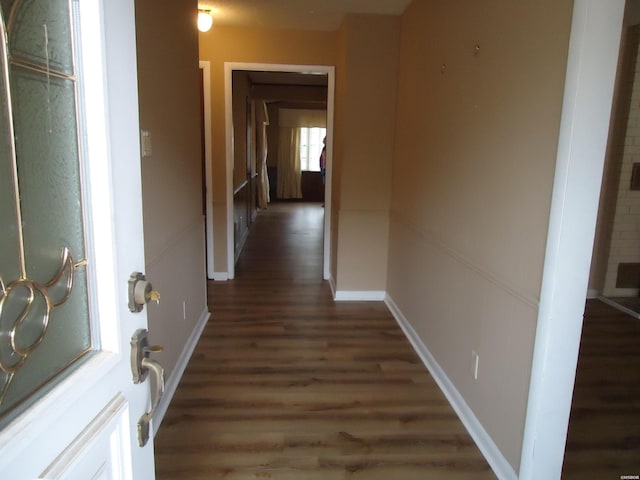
(40, 33)
(64, 342)
(9, 264)
(49, 178)
(44, 326)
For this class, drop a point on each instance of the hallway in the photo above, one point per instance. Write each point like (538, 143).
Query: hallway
(288, 385)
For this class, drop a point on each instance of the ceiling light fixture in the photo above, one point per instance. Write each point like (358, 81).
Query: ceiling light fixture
(205, 20)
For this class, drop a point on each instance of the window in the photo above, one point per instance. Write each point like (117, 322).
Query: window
(311, 148)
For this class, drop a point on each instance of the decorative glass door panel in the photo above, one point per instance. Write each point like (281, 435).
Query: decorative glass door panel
(44, 304)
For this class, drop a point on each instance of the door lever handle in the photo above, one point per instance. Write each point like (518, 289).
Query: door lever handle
(157, 389)
(141, 367)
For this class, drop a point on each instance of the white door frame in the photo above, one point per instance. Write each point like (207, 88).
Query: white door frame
(229, 67)
(205, 66)
(593, 57)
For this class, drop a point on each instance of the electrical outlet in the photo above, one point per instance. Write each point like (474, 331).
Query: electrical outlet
(475, 360)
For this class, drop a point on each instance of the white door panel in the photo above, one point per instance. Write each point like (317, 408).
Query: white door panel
(98, 451)
(84, 425)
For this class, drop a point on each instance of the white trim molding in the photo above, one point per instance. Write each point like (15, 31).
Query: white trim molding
(176, 375)
(205, 66)
(359, 296)
(584, 127)
(228, 120)
(501, 467)
(332, 284)
(220, 276)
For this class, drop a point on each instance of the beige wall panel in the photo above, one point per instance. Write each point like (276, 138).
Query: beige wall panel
(169, 99)
(456, 308)
(365, 121)
(174, 276)
(370, 109)
(476, 145)
(475, 150)
(362, 256)
(169, 109)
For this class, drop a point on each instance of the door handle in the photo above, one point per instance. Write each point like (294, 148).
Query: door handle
(141, 366)
(157, 390)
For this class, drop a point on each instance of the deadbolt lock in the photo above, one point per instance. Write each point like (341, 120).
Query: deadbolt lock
(141, 292)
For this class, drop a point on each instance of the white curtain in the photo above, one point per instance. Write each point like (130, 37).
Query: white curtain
(289, 175)
(263, 177)
(263, 148)
(289, 170)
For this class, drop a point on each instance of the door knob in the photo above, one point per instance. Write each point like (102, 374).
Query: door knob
(141, 292)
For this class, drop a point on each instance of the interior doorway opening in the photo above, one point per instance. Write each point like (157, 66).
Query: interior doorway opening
(615, 271)
(267, 85)
(207, 166)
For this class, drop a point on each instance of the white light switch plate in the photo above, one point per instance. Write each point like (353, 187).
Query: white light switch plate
(145, 142)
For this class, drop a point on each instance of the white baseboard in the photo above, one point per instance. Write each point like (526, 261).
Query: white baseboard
(619, 306)
(220, 276)
(591, 293)
(172, 384)
(355, 296)
(501, 467)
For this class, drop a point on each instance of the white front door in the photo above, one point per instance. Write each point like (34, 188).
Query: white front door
(70, 237)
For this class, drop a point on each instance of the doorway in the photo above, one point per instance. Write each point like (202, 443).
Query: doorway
(327, 71)
(205, 72)
(591, 67)
(603, 418)
(615, 271)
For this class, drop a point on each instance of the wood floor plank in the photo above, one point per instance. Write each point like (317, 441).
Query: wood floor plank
(286, 384)
(604, 429)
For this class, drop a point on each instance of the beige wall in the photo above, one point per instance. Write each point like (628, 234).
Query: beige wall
(366, 94)
(473, 169)
(171, 177)
(252, 45)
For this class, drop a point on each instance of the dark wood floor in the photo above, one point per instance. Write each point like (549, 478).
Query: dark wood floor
(604, 429)
(285, 384)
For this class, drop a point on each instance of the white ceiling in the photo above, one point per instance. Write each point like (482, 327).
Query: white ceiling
(298, 14)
